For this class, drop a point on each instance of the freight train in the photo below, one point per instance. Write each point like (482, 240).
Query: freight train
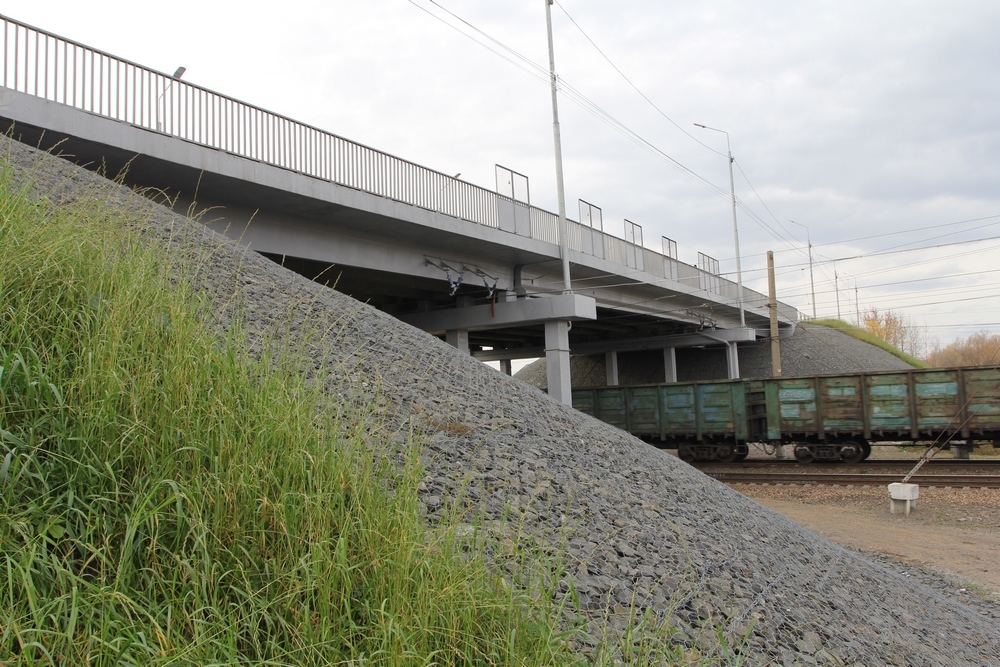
(824, 417)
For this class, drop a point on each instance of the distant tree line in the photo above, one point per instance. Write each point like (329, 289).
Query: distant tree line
(981, 348)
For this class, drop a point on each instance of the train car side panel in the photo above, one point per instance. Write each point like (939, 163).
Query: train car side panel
(583, 400)
(797, 408)
(889, 403)
(643, 406)
(611, 406)
(939, 403)
(722, 410)
(680, 416)
(843, 406)
(605, 403)
(982, 399)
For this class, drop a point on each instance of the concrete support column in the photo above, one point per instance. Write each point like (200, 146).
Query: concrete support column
(611, 366)
(458, 338)
(669, 364)
(557, 361)
(505, 367)
(733, 360)
(962, 450)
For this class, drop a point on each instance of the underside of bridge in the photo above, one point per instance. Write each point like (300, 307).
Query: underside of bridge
(416, 295)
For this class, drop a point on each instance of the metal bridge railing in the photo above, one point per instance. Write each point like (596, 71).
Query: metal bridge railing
(39, 63)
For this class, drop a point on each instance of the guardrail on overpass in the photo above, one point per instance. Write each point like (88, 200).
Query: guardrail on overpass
(39, 63)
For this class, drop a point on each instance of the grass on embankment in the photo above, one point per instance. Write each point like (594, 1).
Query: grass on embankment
(869, 337)
(167, 499)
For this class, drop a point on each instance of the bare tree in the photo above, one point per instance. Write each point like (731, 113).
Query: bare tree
(895, 329)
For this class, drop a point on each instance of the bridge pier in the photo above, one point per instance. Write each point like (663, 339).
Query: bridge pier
(733, 360)
(670, 364)
(611, 366)
(458, 338)
(554, 312)
(557, 369)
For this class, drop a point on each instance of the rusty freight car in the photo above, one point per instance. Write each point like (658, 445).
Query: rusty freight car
(825, 417)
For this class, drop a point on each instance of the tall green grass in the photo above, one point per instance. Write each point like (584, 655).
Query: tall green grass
(165, 498)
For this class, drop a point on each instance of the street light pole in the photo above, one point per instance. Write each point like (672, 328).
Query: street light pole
(736, 231)
(560, 384)
(178, 73)
(560, 189)
(812, 285)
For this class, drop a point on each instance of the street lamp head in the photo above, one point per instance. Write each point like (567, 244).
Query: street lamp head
(179, 72)
(714, 129)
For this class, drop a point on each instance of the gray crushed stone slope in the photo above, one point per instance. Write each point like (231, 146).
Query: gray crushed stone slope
(815, 349)
(812, 350)
(641, 527)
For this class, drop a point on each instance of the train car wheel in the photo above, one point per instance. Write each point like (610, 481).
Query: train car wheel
(851, 452)
(686, 453)
(804, 454)
(867, 450)
(725, 453)
(742, 452)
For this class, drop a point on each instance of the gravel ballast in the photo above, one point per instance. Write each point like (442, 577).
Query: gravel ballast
(642, 529)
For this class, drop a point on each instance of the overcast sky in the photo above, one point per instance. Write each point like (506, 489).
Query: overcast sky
(874, 126)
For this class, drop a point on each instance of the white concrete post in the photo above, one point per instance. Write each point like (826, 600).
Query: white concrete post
(733, 359)
(557, 361)
(669, 364)
(611, 367)
(902, 497)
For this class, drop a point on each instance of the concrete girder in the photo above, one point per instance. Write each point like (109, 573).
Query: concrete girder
(523, 312)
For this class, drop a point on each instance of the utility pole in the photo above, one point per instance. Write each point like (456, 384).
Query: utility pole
(857, 307)
(772, 305)
(812, 284)
(772, 297)
(836, 288)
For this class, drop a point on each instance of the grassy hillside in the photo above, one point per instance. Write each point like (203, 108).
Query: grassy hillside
(868, 337)
(165, 498)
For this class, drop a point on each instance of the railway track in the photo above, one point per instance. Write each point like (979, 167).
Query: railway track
(894, 464)
(856, 479)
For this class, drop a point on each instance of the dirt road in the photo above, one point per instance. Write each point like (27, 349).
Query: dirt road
(950, 530)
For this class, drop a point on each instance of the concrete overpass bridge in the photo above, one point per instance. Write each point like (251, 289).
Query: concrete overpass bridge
(479, 267)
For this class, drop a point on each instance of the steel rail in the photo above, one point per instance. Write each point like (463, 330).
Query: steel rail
(833, 466)
(955, 481)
